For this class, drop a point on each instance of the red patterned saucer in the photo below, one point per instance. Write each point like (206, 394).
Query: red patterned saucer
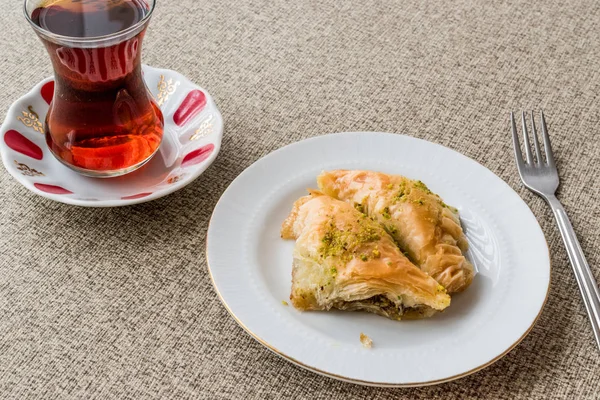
(191, 141)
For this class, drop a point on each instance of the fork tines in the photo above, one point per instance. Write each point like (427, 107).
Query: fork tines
(529, 159)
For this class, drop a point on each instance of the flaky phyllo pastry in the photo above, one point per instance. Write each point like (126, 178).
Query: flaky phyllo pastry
(345, 260)
(420, 222)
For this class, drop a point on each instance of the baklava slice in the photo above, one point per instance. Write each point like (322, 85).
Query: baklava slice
(424, 227)
(345, 260)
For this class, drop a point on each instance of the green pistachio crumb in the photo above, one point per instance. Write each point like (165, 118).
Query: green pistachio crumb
(285, 303)
(392, 229)
(386, 213)
(453, 209)
(422, 186)
(364, 257)
(346, 243)
(402, 193)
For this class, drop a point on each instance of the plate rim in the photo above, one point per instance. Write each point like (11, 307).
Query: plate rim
(360, 381)
(114, 202)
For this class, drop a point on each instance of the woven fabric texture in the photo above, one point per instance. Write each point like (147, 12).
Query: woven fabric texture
(117, 303)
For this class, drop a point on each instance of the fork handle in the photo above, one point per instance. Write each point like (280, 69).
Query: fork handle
(583, 274)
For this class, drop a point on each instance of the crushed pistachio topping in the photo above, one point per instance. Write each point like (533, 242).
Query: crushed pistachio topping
(386, 213)
(364, 257)
(390, 186)
(422, 186)
(345, 243)
(333, 271)
(402, 192)
(400, 196)
(376, 253)
(334, 243)
(389, 263)
(285, 303)
(453, 209)
(391, 229)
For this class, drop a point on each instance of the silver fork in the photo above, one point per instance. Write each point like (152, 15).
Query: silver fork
(541, 177)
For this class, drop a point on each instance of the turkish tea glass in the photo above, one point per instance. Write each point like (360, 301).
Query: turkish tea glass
(102, 120)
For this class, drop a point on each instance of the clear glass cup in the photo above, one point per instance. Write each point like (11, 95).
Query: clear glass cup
(102, 119)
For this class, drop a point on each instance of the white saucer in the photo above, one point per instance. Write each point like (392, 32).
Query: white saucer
(190, 144)
(251, 265)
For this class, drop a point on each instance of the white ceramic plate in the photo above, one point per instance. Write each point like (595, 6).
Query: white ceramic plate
(188, 147)
(251, 266)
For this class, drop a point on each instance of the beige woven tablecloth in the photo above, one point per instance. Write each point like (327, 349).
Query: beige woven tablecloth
(117, 303)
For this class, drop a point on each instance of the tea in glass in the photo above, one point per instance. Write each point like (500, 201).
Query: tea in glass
(102, 119)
